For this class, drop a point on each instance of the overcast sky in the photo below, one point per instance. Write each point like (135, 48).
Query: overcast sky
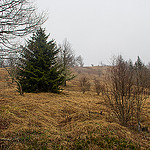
(99, 29)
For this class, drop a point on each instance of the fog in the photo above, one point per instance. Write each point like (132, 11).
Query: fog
(100, 29)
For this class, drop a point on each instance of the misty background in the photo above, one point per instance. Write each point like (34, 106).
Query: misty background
(100, 29)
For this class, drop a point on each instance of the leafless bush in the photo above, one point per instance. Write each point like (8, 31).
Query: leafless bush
(124, 95)
(99, 87)
(84, 84)
(12, 71)
(11, 68)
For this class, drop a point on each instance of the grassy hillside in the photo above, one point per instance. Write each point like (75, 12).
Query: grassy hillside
(70, 120)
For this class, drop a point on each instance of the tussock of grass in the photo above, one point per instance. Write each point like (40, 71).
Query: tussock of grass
(63, 121)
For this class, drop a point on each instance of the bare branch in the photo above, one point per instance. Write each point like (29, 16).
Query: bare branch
(18, 18)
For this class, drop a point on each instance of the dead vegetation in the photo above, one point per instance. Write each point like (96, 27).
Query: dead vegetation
(70, 120)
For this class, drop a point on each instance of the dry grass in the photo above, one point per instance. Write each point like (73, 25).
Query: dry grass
(62, 121)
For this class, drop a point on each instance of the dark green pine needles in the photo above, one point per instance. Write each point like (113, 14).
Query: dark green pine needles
(38, 67)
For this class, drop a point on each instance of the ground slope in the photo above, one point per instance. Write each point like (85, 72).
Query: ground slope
(70, 120)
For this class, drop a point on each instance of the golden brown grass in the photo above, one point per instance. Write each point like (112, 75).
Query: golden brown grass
(67, 120)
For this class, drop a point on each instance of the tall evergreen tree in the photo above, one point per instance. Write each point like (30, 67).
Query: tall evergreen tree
(141, 73)
(38, 68)
(141, 90)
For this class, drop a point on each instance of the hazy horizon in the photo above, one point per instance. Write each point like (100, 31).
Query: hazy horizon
(99, 29)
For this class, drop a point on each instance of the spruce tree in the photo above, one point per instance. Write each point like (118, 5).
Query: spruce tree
(38, 68)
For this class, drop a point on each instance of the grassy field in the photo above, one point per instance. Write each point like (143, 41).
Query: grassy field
(69, 120)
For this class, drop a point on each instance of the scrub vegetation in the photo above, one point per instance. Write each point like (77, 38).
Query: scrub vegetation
(69, 120)
(49, 100)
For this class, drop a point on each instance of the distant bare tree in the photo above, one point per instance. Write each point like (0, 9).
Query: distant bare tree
(84, 84)
(18, 18)
(79, 61)
(67, 59)
(67, 55)
(102, 64)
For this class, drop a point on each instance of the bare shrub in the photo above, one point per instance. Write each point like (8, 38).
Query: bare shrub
(99, 87)
(84, 84)
(12, 71)
(123, 94)
(118, 93)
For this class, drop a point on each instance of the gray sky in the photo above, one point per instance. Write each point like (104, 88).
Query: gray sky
(99, 29)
